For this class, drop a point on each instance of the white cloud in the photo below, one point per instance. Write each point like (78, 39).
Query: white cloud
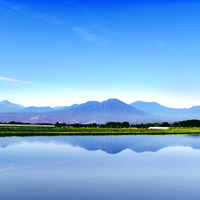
(6, 79)
(85, 34)
(49, 19)
(12, 8)
(17, 8)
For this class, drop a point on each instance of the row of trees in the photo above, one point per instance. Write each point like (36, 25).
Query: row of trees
(187, 123)
(95, 125)
(13, 122)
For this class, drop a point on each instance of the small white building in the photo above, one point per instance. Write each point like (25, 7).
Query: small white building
(158, 128)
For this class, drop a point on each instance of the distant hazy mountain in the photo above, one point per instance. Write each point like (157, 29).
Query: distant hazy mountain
(195, 111)
(60, 107)
(169, 113)
(7, 106)
(65, 107)
(149, 106)
(153, 107)
(37, 109)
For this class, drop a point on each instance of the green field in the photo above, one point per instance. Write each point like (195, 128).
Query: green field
(56, 131)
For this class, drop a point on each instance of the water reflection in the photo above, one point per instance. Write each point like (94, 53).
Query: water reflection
(103, 167)
(111, 144)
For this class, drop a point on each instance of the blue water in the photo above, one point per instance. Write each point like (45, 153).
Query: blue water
(101, 167)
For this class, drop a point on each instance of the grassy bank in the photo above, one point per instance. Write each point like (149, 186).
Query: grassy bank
(56, 131)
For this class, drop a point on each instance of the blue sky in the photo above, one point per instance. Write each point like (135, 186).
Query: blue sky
(60, 52)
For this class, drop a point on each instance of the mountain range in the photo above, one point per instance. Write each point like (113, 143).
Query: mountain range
(99, 112)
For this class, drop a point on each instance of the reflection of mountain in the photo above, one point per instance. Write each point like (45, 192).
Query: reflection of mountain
(111, 144)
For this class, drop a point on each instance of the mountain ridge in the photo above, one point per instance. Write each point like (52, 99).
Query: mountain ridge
(7, 106)
(169, 113)
(98, 112)
(91, 111)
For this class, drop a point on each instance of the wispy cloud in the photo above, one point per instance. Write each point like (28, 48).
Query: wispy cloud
(6, 79)
(18, 7)
(49, 19)
(87, 35)
(12, 8)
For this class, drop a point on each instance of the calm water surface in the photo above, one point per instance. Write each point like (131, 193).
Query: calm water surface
(101, 167)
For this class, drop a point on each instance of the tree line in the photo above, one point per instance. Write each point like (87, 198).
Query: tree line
(186, 123)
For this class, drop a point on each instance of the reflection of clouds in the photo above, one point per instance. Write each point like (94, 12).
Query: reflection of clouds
(3, 169)
(9, 168)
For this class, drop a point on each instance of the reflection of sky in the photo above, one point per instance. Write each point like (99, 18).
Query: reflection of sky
(52, 170)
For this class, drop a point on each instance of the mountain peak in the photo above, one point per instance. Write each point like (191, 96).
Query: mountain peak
(5, 102)
(8, 103)
(112, 100)
(7, 106)
(195, 107)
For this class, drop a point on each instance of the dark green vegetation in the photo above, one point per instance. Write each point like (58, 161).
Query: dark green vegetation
(53, 131)
(187, 123)
(111, 128)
